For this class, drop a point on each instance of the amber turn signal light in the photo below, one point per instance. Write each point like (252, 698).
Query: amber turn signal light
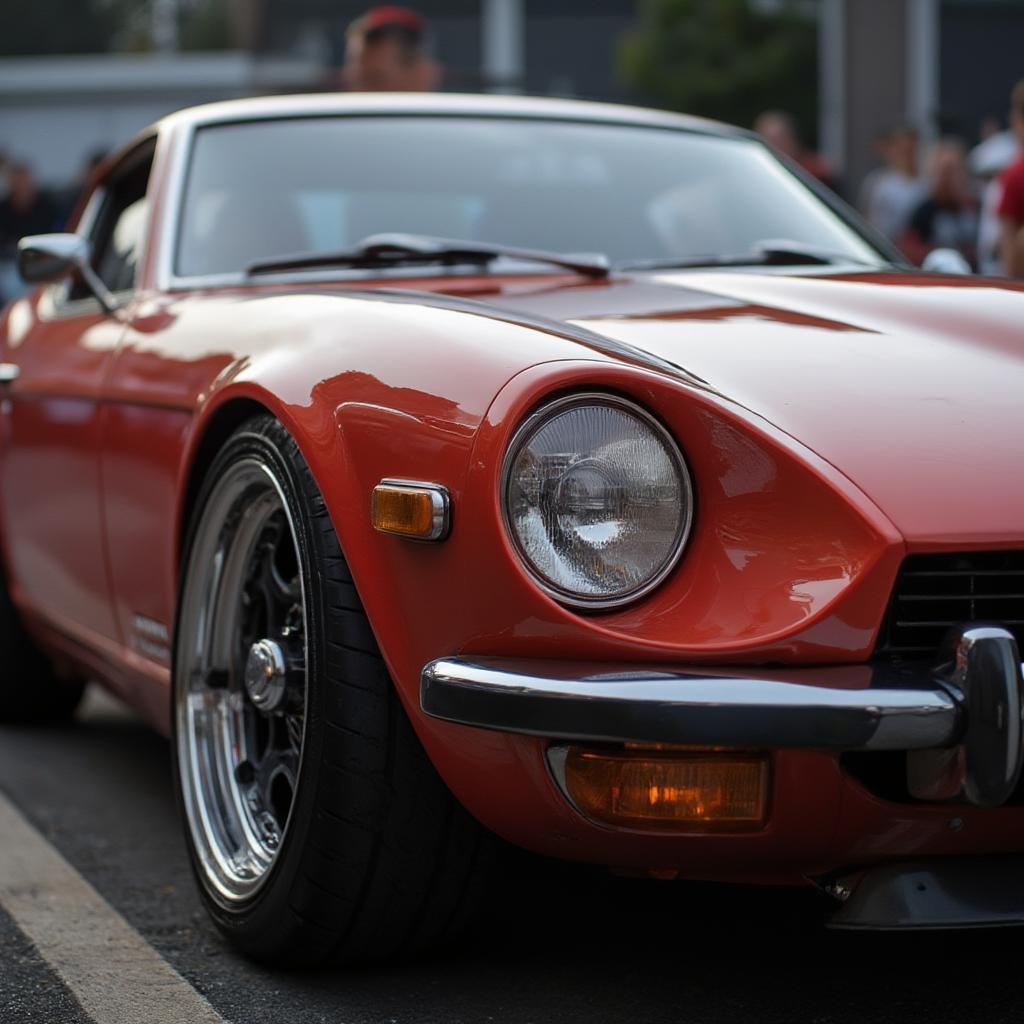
(419, 511)
(656, 789)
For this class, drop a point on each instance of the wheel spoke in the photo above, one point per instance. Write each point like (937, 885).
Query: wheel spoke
(244, 761)
(285, 592)
(207, 702)
(295, 725)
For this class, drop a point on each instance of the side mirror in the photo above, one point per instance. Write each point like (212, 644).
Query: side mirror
(45, 258)
(946, 261)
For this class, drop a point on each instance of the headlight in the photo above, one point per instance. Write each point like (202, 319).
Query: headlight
(597, 499)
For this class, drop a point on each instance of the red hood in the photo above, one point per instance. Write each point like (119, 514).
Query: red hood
(911, 385)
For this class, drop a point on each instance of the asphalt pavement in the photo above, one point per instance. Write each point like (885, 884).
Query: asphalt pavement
(565, 945)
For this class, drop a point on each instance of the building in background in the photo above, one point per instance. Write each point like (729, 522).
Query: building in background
(55, 111)
(939, 65)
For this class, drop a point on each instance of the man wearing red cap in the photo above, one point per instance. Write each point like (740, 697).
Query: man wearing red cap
(385, 51)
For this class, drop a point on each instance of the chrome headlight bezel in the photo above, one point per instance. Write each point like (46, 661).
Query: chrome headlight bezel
(528, 428)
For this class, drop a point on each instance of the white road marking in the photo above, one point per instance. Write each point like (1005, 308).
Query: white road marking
(116, 976)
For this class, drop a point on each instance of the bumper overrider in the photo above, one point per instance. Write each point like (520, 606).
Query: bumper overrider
(960, 720)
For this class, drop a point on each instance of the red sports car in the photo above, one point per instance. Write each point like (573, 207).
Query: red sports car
(435, 467)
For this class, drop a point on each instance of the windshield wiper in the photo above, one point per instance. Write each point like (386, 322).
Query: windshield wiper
(393, 250)
(769, 253)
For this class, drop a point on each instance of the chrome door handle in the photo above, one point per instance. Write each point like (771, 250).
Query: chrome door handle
(9, 372)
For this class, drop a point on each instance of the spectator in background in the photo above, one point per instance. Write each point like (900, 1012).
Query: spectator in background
(778, 129)
(988, 162)
(25, 210)
(386, 51)
(1011, 204)
(948, 217)
(891, 193)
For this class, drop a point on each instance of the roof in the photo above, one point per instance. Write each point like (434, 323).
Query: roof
(439, 104)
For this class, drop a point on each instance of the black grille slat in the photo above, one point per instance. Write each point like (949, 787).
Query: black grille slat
(938, 591)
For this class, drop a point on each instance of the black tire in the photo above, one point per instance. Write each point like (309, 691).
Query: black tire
(30, 689)
(377, 859)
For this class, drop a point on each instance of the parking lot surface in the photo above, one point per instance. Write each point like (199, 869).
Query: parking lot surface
(558, 945)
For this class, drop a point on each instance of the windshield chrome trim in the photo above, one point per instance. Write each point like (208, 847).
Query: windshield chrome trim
(174, 193)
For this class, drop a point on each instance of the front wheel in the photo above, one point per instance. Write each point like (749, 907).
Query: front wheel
(318, 829)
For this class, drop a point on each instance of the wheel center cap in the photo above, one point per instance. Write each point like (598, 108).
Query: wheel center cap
(265, 675)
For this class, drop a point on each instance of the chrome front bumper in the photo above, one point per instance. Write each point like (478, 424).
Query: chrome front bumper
(962, 718)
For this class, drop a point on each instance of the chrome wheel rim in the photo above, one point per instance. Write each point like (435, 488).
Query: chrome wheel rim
(241, 681)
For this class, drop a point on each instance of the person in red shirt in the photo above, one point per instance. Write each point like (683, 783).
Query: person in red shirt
(386, 51)
(1011, 206)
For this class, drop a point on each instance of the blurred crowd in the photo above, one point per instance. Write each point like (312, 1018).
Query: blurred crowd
(26, 208)
(940, 197)
(969, 200)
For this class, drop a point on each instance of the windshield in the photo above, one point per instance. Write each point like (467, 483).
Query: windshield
(260, 190)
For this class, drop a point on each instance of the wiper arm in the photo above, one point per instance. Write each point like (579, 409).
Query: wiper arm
(770, 253)
(400, 249)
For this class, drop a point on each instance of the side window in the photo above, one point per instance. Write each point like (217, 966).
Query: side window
(117, 260)
(119, 232)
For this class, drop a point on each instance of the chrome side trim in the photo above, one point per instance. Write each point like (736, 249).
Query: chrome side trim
(592, 703)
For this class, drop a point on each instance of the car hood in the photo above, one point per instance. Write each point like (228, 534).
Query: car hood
(909, 384)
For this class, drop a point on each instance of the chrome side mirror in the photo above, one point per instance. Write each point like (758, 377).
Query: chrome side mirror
(946, 261)
(45, 258)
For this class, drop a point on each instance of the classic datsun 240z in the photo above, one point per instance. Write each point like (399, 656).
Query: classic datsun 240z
(431, 468)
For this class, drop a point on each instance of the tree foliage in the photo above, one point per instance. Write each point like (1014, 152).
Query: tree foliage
(29, 27)
(726, 59)
(46, 27)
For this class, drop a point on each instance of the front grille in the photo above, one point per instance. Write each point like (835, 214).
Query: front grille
(935, 592)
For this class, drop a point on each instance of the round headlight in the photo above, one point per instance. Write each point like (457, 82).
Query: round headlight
(598, 500)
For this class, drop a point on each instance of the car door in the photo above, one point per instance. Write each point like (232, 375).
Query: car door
(60, 343)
